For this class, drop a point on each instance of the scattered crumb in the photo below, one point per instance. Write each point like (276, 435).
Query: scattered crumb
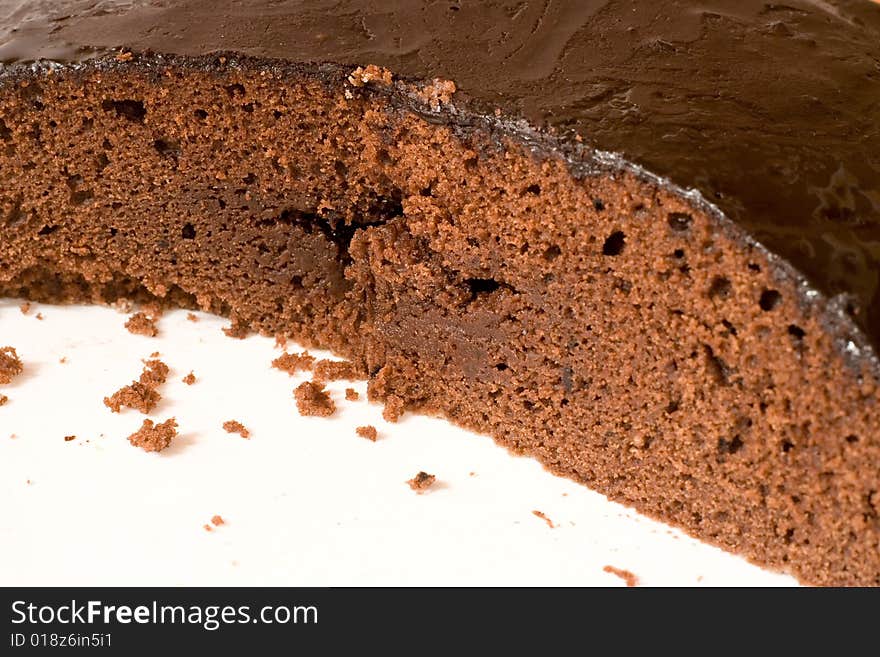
(124, 56)
(438, 93)
(371, 73)
(472, 474)
(234, 426)
(10, 365)
(189, 379)
(393, 409)
(369, 432)
(312, 399)
(351, 394)
(207, 527)
(67, 439)
(334, 370)
(217, 521)
(29, 482)
(422, 481)
(123, 305)
(543, 516)
(62, 360)
(192, 317)
(155, 354)
(39, 316)
(155, 373)
(25, 308)
(280, 340)
(138, 396)
(237, 329)
(293, 363)
(154, 437)
(141, 324)
(3, 399)
(625, 575)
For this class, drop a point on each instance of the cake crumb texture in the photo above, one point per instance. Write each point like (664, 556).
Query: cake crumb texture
(351, 394)
(335, 370)
(154, 437)
(293, 363)
(10, 365)
(369, 432)
(141, 324)
(233, 426)
(543, 516)
(313, 399)
(625, 575)
(422, 481)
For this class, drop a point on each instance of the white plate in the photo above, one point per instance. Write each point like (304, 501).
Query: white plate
(305, 500)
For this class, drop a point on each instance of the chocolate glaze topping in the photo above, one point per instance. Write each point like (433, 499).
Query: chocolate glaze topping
(770, 110)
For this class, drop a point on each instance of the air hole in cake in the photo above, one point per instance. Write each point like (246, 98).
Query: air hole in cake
(188, 232)
(678, 254)
(720, 288)
(533, 189)
(501, 367)
(5, 132)
(201, 114)
(235, 89)
(769, 300)
(787, 446)
(614, 244)
(478, 286)
(731, 329)
(133, 110)
(47, 230)
(679, 221)
(598, 204)
(730, 446)
(796, 331)
(852, 438)
(167, 148)
(755, 267)
(552, 253)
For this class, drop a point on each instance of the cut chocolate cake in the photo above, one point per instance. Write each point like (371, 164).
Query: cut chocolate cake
(637, 240)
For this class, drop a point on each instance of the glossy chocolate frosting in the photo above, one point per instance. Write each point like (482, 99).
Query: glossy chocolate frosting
(770, 110)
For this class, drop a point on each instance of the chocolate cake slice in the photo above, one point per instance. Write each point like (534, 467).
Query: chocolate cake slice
(637, 240)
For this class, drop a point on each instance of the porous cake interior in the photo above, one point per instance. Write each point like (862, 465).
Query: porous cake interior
(600, 323)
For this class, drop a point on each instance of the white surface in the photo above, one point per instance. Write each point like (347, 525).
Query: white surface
(306, 501)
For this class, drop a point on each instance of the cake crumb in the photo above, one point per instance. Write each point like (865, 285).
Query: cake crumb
(625, 575)
(207, 527)
(369, 432)
(313, 400)
(39, 316)
(67, 439)
(192, 317)
(438, 93)
(393, 409)
(237, 329)
(10, 364)
(280, 340)
(189, 379)
(234, 426)
(217, 521)
(543, 516)
(155, 373)
(351, 394)
(123, 305)
(422, 481)
(335, 370)
(3, 400)
(124, 56)
(154, 437)
(25, 308)
(293, 363)
(141, 324)
(371, 73)
(63, 360)
(140, 395)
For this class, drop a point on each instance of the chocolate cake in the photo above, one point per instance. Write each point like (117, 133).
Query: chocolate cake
(636, 240)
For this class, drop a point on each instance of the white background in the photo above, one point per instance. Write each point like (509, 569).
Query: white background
(306, 501)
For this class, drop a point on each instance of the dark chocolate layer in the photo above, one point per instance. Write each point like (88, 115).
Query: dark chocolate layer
(771, 111)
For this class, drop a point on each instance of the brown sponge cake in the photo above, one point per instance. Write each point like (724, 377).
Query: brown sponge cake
(634, 241)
